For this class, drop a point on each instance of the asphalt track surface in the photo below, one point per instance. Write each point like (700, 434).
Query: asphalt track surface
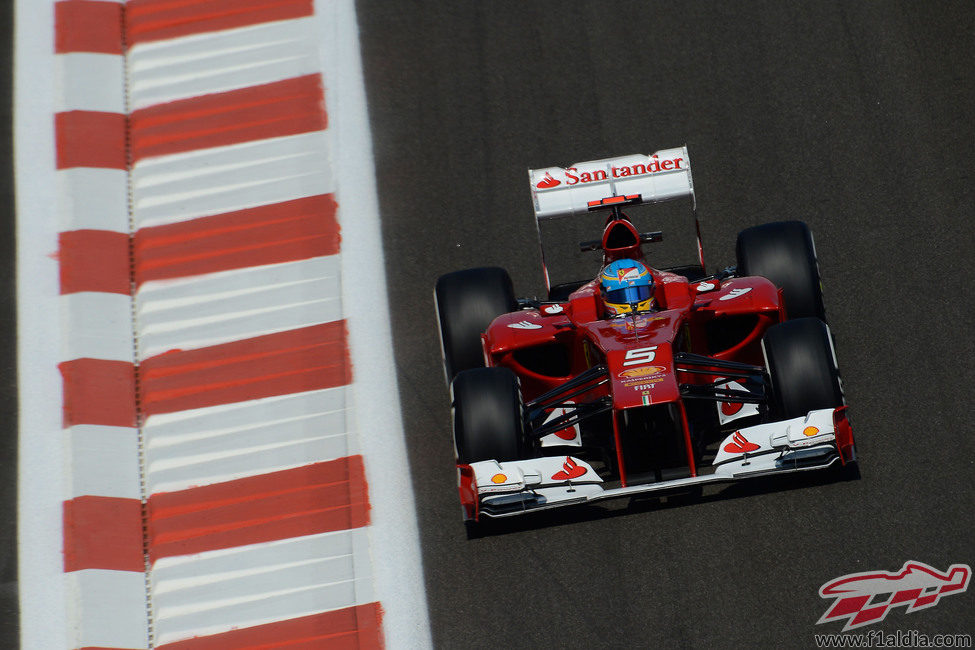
(9, 606)
(855, 117)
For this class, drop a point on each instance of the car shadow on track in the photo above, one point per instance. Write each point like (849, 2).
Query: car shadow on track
(646, 503)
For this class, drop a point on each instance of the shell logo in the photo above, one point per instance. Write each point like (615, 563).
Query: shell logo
(641, 372)
(810, 431)
(499, 478)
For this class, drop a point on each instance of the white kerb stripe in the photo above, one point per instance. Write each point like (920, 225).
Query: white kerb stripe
(90, 82)
(204, 310)
(233, 441)
(178, 187)
(109, 609)
(102, 461)
(180, 68)
(44, 620)
(217, 591)
(92, 199)
(222, 443)
(393, 533)
(96, 325)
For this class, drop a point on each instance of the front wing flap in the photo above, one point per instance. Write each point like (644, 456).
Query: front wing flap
(818, 440)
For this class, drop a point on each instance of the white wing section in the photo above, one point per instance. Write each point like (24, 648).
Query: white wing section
(565, 191)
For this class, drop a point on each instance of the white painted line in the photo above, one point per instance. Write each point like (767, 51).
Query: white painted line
(233, 441)
(43, 619)
(90, 82)
(393, 533)
(217, 591)
(96, 325)
(91, 199)
(178, 187)
(99, 461)
(180, 68)
(109, 610)
(204, 310)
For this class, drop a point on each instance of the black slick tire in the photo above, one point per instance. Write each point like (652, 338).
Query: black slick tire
(802, 368)
(467, 301)
(784, 253)
(487, 412)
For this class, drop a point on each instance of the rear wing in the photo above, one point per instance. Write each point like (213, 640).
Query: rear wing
(635, 179)
(562, 192)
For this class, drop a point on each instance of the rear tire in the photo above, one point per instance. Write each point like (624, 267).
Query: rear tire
(784, 253)
(467, 302)
(802, 368)
(487, 411)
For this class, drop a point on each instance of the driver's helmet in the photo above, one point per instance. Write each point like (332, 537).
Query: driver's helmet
(626, 286)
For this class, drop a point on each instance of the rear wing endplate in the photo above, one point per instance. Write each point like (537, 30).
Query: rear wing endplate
(566, 191)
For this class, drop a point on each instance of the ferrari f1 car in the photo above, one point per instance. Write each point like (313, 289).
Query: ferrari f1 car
(555, 402)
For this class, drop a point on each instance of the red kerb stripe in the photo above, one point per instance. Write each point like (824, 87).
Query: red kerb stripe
(309, 358)
(103, 533)
(87, 26)
(151, 20)
(303, 501)
(270, 234)
(352, 628)
(94, 260)
(98, 391)
(270, 110)
(90, 139)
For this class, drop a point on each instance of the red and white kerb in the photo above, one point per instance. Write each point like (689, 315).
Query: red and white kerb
(217, 494)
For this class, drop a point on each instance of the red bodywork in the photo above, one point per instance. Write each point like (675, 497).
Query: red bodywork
(549, 345)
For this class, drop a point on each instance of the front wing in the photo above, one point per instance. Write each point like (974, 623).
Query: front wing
(817, 441)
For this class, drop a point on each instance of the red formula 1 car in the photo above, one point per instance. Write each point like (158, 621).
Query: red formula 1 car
(558, 402)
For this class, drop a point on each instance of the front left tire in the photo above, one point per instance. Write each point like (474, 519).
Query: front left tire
(784, 253)
(802, 368)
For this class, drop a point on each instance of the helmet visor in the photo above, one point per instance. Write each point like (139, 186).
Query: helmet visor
(628, 295)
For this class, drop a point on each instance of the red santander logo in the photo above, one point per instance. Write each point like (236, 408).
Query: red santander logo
(570, 470)
(548, 182)
(740, 445)
(573, 176)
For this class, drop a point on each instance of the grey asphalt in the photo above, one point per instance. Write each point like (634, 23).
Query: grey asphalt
(853, 116)
(9, 606)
